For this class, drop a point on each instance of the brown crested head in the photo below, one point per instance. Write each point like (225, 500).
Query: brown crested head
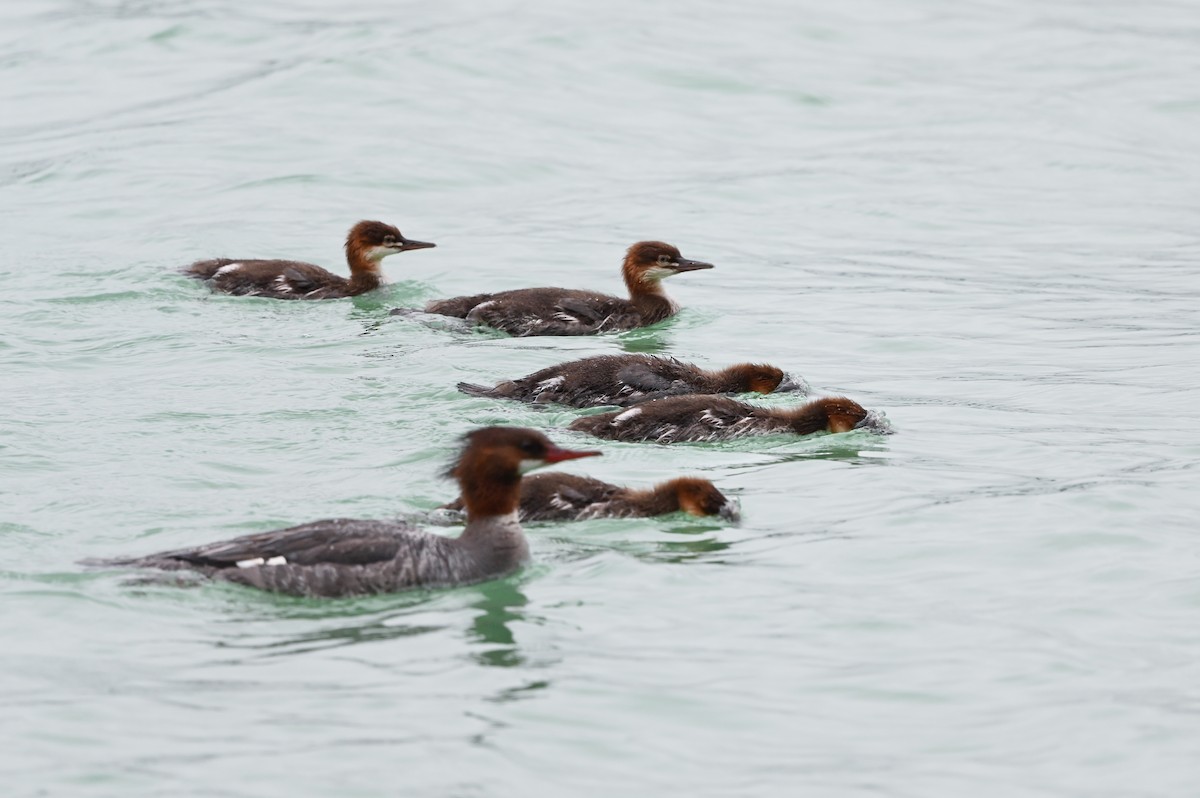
(700, 497)
(491, 463)
(373, 241)
(648, 262)
(756, 377)
(843, 414)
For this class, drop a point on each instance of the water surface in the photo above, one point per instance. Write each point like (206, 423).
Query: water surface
(981, 219)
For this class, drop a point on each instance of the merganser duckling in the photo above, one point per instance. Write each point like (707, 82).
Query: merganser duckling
(628, 379)
(719, 418)
(568, 497)
(349, 557)
(564, 311)
(367, 244)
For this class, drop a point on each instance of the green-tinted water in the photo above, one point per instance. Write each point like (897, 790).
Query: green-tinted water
(981, 219)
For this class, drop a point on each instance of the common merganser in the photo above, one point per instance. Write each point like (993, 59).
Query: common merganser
(629, 379)
(569, 497)
(718, 418)
(367, 244)
(565, 311)
(350, 557)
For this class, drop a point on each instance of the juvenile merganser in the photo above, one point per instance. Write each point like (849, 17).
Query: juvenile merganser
(719, 418)
(367, 244)
(350, 557)
(564, 311)
(628, 379)
(568, 497)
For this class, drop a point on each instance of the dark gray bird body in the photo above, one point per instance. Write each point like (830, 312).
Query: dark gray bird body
(677, 419)
(351, 557)
(632, 378)
(558, 496)
(568, 311)
(367, 244)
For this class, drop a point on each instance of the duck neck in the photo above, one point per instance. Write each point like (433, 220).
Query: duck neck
(807, 419)
(723, 381)
(366, 273)
(663, 498)
(649, 298)
(499, 535)
(492, 497)
(658, 500)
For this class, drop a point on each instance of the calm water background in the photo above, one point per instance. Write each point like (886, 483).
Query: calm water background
(981, 218)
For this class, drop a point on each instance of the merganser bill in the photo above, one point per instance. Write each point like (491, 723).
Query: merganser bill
(677, 419)
(367, 244)
(625, 380)
(569, 497)
(349, 557)
(564, 311)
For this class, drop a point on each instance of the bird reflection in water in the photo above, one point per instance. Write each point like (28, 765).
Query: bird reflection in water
(500, 601)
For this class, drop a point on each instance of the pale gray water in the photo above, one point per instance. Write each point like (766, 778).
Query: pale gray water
(981, 218)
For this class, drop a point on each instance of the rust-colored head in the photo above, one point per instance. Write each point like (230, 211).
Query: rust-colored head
(700, 497)
(843, 414)
(648, 262)
(756, 377)
(490, 466)
(373, 241)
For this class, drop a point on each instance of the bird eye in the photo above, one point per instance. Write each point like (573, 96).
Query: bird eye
(389, 240)
(664, 260)
(531, 447)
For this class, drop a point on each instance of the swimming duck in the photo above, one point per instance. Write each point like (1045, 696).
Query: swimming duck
(631, 378)
(564, 311)
(367, 244)
(718, 418)
(569, 497)
(350, 557)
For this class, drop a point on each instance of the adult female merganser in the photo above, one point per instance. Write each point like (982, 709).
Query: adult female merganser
(367, 244)
(628, 379)
(568, 497)
(564, 311)
(348, 557)
(719, 418)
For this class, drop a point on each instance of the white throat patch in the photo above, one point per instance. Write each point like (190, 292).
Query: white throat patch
(656, 273)
(380, 252)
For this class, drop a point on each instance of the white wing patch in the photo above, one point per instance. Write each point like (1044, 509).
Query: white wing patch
(254, 562)
(228, 268)
(567, 317)
(708, 416)
(475, 314)
(282, 285)
(558, 503)
(666, 433)
(551, 383)
(629, 414)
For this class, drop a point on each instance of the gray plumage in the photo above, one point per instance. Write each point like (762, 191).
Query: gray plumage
(568, 311)
(351, 557)
(716, 418)
(367, 244)
(628, 379)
